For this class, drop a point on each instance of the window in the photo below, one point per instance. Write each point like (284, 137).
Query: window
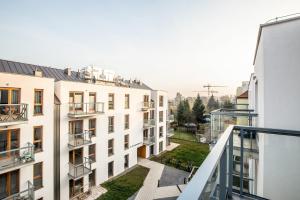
(110, 124)
(92, 178)
(38, 138)
(161, 116)
(92, 102)
(126, 121)
(9, 139)
(151, 114)
(127, 101)
(161, 131)
(38, 102)
(111, 101)
(151, 132)
(75, 101)
(38, 175)
(110, 147)
(160, 146)
(161, 101)
(111, 169)
(9, 184)
(92, 127)
(126, 142)
(126, 161)
(92, 152)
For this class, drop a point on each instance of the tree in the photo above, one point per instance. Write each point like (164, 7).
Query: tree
(198, 110)
(212, 103)
(187, 112)
(180, 113)
(227, 104)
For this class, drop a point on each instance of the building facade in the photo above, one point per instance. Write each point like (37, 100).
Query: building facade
(90, 127)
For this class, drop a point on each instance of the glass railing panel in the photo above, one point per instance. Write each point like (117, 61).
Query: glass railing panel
(13, 112)
(27, 194)
(81, 169)
(16, 157)
(86, 108)
(79, 139)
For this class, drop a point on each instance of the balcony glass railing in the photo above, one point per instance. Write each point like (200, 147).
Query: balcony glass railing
(13, 113)
(147, 105)
(85, 109)
(27, 194)
(79, 139)
(148, 123)
(170, 118)
(170, 132)
(221, 176)
(149, 140)
(79, 170)
(16, 157)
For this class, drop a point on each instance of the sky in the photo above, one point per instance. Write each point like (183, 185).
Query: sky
(172, 45)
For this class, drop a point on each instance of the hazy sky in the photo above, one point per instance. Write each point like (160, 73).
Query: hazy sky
(174, 45)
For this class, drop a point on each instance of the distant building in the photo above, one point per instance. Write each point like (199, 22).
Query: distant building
(241, 89)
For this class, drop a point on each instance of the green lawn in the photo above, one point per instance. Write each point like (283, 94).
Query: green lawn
(184, 136)
(126, 185)
(188, 153)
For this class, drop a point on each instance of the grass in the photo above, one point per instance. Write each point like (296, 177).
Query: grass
(184, 136)
(126, 185)
(187, 153)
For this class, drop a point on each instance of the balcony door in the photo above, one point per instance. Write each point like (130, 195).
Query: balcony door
(146, 98)
(75, 187)
(9, 96)
(92, 102)
(75, 127)
(76, 101)
(9, 140)
(9, 184)
(76, 156)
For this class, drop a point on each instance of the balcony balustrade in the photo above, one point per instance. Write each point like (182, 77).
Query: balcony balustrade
(27, 194)
(77, 110)
(12, 114)
(149, 140)
(79, 139)
(16, 157)
(147, 105)
(217, 177)
(77, 171)
(148, 123)
(170, 132)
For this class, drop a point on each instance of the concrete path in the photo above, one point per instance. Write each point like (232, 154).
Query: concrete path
(172, 146)
(150, 189)
(147, 191)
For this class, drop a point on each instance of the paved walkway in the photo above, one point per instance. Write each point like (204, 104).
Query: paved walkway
(150, 189)
(172, 146)
(150, 183)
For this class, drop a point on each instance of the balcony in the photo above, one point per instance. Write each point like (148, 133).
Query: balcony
(170, 118)
(148, 105)
(149, 140)
(220, 178)
(27, 194)
(149, 123)
(77, 110)
(77, 171)
(79, 139)
(13, 114)
(16, 157)
(170, 132)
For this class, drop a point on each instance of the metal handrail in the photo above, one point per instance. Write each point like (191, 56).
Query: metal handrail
(86, 108)
(78, 139)
(78, 168)
(13, 112)
(218, 156)
(17, 156)
(27, 194)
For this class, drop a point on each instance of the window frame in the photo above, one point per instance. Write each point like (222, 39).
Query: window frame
(38, 104)
(127, 101)
(126, 123)
(161, 100)
(94, 128)
(39, 176)
(111, 127)
(40, 140)
(126, 167)
(126, 143)
(110, 149)
(111, 104)
(161, 116)
(161, 131)
(92, 154)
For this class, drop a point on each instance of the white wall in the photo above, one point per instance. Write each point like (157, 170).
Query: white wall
(102, 136)
(277, 71)
(27, 84)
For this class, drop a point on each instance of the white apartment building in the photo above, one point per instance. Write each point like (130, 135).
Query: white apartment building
(26, 133)
(274, 93)
(270, 170)
(96, 127)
